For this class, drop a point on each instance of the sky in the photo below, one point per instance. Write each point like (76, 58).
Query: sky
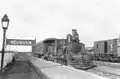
(41, 19)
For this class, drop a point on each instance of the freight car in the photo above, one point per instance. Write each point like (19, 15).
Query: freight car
(107, 50)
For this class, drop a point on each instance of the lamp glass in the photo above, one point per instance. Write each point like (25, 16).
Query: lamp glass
(5, 21)
(5, 24)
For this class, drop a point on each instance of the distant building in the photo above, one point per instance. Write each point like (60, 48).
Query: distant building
(89, 50)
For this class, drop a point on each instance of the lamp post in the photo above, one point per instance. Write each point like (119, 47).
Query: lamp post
(5, 23)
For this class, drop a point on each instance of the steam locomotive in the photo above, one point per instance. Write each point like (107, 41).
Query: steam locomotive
(70, 51)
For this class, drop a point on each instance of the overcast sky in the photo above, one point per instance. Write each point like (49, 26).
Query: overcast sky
(40, 19)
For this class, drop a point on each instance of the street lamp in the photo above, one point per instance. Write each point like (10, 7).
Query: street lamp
(5, 23)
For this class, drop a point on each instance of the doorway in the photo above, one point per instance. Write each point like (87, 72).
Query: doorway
(105, 47)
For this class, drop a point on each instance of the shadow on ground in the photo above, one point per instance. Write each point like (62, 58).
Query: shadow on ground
(22, 70)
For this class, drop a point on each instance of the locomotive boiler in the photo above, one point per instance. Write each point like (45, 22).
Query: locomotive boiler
(77, 57)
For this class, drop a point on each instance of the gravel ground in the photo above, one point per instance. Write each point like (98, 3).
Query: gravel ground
(101, 63)
(103, 73)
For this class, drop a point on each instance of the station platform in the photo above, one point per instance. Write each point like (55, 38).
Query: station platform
(42, 69)
(21, 68)
(57, 71)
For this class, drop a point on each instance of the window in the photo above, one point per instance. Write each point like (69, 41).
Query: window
(111, 46)
(50, 49)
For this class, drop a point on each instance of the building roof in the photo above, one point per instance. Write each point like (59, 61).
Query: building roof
(49, 39)
(106, 40)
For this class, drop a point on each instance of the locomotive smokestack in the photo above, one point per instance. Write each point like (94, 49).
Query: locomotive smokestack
(75, 35)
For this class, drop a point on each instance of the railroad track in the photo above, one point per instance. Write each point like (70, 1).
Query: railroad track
(109, 64)
(104, 73)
